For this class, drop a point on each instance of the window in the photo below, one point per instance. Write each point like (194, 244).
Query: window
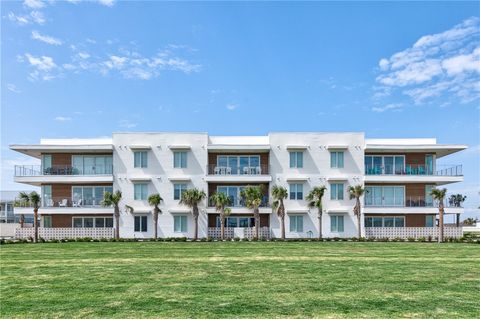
(88, 195)
(180, 224)
(384, 196)
(237, 221)
(47, 221)
(296, 159)
(245, 164)
(336, 191)
(100, 222)
(336, 224)
(140, 159)
(140, 191)
(388, 221)
(296, 224)
(180, 159)
(336, 159)
(46, 162)
(429, 221)
(178, 190)
(77, 222)
(47, 195)
(296, 191)
(91, 165)
(388, 164)
(108, 222)
(88, 222)
(140, 223)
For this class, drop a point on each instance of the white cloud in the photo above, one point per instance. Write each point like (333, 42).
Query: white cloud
(108, 3)
(389, 107)
(126, 124)
(446, 63)
(21, 20)
(115, 62)
(231, 106)
(42, 65)
(37, 17)
(83, 55)
(34, 4)
(45, 38)
(63, 119)
(13, 88)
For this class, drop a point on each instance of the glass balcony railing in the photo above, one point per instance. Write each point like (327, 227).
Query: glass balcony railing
(412, 170)
(38, 170)
(213, 169)
(410, 201)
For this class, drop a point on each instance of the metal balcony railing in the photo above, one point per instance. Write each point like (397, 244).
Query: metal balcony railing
(412, 170)
(240, 202)
(213, 169)
(38, 170)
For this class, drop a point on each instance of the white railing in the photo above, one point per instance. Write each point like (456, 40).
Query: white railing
(240, 232)
(62, 233)
(414, 232)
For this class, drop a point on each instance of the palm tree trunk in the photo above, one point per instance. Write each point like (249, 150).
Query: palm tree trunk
(222, 226)
(35, 224)
(155, 222)
(282, 222)
(117, 222)
(22, 220)
(257, 222)
(440, 223)
(359, 218)
(195, 217)
(320, 226)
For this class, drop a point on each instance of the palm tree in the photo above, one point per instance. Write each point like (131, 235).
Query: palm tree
(280, 193)
(34, 199)
(220, 201)
(355, 193)
(155, 200)
(191, 198)
(114, 199)
(253, 196)
(439, 195)
(314, 199)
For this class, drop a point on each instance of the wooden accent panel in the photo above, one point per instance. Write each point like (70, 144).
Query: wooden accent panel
(212, 187)
(65, 190)
(60, 220)
(212, 157)
(264, 219)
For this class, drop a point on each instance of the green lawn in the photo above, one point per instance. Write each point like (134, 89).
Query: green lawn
(240, 279)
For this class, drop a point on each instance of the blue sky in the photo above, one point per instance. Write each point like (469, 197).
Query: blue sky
(87, 68)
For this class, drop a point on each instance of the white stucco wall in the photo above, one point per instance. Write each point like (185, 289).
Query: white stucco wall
(160, 169)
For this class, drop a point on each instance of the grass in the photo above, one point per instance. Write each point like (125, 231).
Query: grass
(240, 280)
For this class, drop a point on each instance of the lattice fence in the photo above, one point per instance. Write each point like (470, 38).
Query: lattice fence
(415, 232)
(63, 233)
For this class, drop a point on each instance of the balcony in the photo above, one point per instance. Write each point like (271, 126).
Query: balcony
(410, 205)
(240, 202)
(216, 173)
(412, 170)
(37, 175)
(64, 205)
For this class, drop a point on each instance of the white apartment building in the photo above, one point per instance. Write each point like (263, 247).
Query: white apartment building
(398, 175)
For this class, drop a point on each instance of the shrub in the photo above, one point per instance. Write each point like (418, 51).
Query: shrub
(422, 239)
(411, 239)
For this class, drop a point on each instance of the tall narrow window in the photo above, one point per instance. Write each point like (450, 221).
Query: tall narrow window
(180, 224)
(140, 191)
(336, 159)
(296, 159)
(336, 224)
(296, 224)
(178, 190)
(140, 223)
(140, 159)
(296, 191)
(429, 221)
(47, 221)
(47, 164)
(180, 159)
(336, 191)
(47, 196)
(429, 165)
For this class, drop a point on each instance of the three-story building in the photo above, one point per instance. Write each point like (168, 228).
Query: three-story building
(397, 174)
